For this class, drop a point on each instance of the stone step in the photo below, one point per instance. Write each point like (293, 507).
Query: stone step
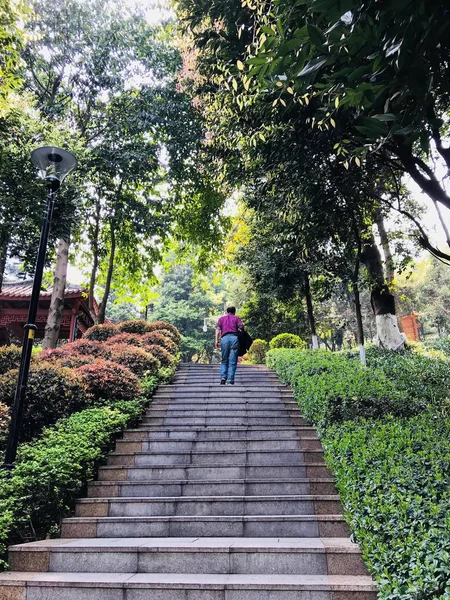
(212, 472)
(167, 446)
(209, 506)
(234, 391)
(224, 404)
(192, 555)
(219, 458)
(232, 487)
(225, 411)
(217, 421)
(214, 380)
(204, 526)
(216, 433)
(255, 376)
(217, 395)
(214, 387)
(178, 586)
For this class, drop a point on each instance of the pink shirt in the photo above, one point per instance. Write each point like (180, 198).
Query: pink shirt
(229, 324)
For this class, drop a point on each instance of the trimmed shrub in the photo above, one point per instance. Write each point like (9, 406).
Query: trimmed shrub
(53, 392)
(51, 472)
(172, 331)
(164, 356)
(443, 345)
(136, 359)
(132, 339)
(107, 380)
(72, 361)
(4, 422)
(50, 355)
(330, 388)
(420, 373)
(158, 338)
(258, 351)
(287, 340)
(83, 347)
(9, 358)
(100, 333)
(138, 326)
(394, 480)
(86, 347)
(393, 473)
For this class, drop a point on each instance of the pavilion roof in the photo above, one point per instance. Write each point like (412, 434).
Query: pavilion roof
(22, 289)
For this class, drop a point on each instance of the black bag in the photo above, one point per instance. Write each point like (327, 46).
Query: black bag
(245, 342)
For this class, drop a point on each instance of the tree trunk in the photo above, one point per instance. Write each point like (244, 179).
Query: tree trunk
(442, 221)
(95, 257)
(3, 258)
(383, 302)
(388, 259)
(310, 311)
(112, 253)
(56, 309)
(359, 324)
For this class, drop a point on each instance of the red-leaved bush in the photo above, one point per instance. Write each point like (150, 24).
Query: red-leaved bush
(86, 347)
(164, 326)
(159, 338)
(53, 392)
(73, 361)
(136, 359)
(100, 333)
(138, 326)
(133, 339)
(109, 380)
(164, 356)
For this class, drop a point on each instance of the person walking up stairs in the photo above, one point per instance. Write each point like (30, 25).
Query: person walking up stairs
(221, 493)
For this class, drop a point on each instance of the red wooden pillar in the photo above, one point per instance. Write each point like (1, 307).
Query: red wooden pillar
(73, 321)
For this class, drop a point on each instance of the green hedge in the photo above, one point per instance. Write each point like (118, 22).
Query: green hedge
(51, 472)
(287, 340)
(330, 387)
(257, 352)
(393, 467)
(422, 374)
(394, 481)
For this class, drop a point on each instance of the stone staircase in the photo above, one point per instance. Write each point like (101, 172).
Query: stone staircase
(222, 493)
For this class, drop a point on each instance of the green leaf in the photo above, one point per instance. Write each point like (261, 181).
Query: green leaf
(385, 117)
(316, 35)
(375, 125)
(314, 65)
(288, 46)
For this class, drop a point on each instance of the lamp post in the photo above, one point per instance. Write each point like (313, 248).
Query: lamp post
(54, 164)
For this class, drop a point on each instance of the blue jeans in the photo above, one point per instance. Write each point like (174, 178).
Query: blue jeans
(230, 349)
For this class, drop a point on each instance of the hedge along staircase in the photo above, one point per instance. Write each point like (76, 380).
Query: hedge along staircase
(222, 493)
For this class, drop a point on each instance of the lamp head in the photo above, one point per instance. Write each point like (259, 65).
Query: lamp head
(54, 164)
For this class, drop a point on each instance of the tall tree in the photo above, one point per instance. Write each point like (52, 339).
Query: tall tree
(260, 124)
(102, 68)
(12, 39)
(377, 72)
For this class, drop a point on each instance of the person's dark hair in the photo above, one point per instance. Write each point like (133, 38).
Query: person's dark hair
(232, 310)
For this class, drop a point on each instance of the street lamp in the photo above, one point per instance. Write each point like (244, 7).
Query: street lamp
(54, 165)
